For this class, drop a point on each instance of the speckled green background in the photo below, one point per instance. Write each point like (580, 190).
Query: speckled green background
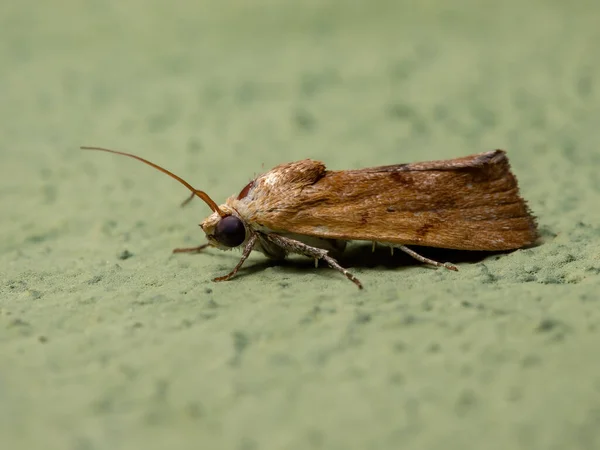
(100, 352)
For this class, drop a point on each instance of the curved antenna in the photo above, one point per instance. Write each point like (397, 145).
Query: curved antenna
(203, 195)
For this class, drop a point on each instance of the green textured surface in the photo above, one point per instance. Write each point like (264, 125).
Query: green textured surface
(98, 352)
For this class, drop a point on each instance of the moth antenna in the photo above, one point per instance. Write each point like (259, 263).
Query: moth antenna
(203, 195)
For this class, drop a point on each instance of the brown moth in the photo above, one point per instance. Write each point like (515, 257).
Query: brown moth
(469, 203)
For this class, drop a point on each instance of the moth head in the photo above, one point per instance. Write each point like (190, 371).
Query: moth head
(224, 232)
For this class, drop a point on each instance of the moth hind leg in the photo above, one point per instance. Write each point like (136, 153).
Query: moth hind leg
(425, 260)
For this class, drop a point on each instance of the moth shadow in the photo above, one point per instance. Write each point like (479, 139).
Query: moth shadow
(362, 255)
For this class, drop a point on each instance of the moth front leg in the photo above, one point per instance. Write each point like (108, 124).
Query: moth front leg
(294, 246)
(247, 250)
(191, 249)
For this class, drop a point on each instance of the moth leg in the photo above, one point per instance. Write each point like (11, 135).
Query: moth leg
(191, 249)
(187, 200)
(294, 246)
(426, 260)
(247, 250)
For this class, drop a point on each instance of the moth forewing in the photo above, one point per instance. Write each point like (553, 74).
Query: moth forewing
(470, 203)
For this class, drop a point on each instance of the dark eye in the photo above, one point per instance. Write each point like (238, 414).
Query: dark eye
(230, 231)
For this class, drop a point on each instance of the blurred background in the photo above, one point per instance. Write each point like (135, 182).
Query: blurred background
(97, 350)
(270, 80)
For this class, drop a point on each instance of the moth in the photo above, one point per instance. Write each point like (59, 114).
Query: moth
(468, 203)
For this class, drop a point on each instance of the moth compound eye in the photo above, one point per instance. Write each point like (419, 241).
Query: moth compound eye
(230, 231)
